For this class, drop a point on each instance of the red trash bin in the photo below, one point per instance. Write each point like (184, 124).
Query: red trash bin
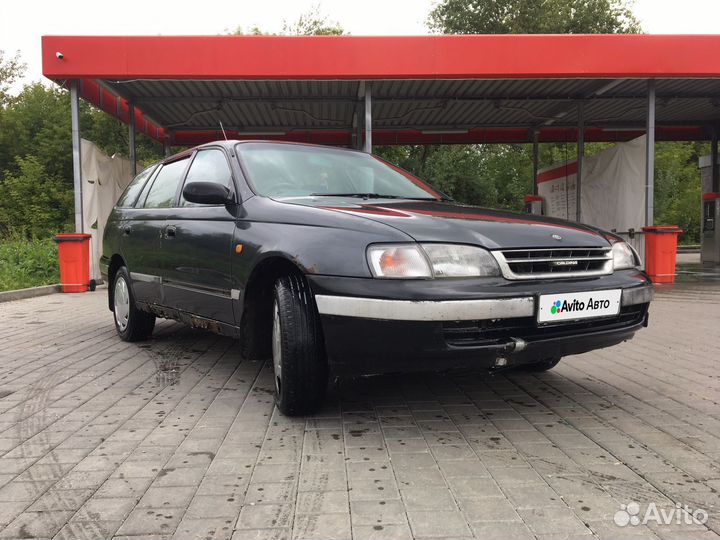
(661, 252)
(74, 255)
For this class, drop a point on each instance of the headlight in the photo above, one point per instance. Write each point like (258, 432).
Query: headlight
(430, 260)
(452, 260)
(398, 261)
(623, 256)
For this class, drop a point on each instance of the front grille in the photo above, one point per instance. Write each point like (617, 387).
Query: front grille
(498, 331)
(552, 263)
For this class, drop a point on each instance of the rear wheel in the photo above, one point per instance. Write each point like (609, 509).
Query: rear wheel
(131, 323)
(543, 365)
(298, 354)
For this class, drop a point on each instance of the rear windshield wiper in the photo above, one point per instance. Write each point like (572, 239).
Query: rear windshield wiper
(372, 196)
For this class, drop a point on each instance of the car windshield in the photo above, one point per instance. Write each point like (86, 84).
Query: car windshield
(290, 171)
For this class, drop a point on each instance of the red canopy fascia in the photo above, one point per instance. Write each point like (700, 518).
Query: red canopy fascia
(366, 57)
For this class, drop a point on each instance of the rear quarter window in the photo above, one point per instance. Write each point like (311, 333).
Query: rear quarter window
(164, 187)
(130, 195)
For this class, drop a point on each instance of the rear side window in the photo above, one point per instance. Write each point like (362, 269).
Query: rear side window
(162, 192)
(130, 195)
(209, 166)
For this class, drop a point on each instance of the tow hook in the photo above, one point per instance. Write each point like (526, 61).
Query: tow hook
(514, 346)
(520, 344)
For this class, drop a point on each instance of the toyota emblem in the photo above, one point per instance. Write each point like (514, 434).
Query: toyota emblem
(557, 237)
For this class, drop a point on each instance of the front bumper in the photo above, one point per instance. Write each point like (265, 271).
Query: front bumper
(379, 326)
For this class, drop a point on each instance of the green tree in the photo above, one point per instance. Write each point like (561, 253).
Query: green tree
(533, 17)
(311, 23)
(460, 172)
(37, 123)
(677, 187)
(11, 69)
(33, 203)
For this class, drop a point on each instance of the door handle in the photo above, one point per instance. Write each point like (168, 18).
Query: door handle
(170, 231)
(126, 230)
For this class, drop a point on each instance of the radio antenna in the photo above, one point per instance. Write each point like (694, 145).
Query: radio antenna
(223, 130)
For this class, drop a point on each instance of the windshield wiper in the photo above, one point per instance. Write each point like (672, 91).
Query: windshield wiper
(372, 196)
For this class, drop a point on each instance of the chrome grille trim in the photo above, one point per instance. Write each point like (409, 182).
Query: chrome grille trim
(537, 263)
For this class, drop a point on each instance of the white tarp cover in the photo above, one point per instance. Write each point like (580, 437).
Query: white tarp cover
(104, 178)
(613, 188)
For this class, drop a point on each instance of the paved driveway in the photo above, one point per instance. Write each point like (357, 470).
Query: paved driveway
(179, 436)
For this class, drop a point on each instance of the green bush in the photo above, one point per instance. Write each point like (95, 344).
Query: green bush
(27, 263)
(33, 203)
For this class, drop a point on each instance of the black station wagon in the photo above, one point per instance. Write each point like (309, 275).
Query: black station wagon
(333, 261)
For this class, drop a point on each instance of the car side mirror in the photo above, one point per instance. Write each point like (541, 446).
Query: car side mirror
(207, 193)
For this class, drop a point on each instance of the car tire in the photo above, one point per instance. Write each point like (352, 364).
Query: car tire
(298, 352)
(543, 365)
(131, 323)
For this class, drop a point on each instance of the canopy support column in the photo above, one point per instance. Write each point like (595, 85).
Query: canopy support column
(368, 120)
(535, 158)
(131, 139)
(650, 155)
(168, 142)
(715, 171)
(580, 156)
(358, 134)
(76, 157)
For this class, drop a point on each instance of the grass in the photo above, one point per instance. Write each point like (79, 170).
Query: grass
(27, 263)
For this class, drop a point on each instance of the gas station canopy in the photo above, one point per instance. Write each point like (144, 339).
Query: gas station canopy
(356, 91)
(425, 89)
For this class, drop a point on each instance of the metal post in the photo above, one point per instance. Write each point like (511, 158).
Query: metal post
(131, 138)
(76, 157)
(358, 130)
(368, 120)
(580, 155)
(714, 159)
(354, 129)
(535, 158)
(169, 142)
(650, 155)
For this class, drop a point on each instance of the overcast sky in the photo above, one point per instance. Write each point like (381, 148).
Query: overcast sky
(22, 22)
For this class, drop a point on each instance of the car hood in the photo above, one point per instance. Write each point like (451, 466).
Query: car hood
(434, 221)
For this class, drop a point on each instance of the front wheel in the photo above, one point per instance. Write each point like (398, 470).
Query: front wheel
(298, 354)
(131, 323)
(542, 365)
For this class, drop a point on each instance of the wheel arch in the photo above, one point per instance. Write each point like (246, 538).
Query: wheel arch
(256, 321)
(116, 262)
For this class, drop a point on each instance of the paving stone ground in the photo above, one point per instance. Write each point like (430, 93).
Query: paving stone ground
(179, 437)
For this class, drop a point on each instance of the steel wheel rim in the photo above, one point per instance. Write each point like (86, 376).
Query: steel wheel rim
(121, 299)
(277, 348)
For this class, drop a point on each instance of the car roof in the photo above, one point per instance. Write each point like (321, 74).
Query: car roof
(230, 143)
